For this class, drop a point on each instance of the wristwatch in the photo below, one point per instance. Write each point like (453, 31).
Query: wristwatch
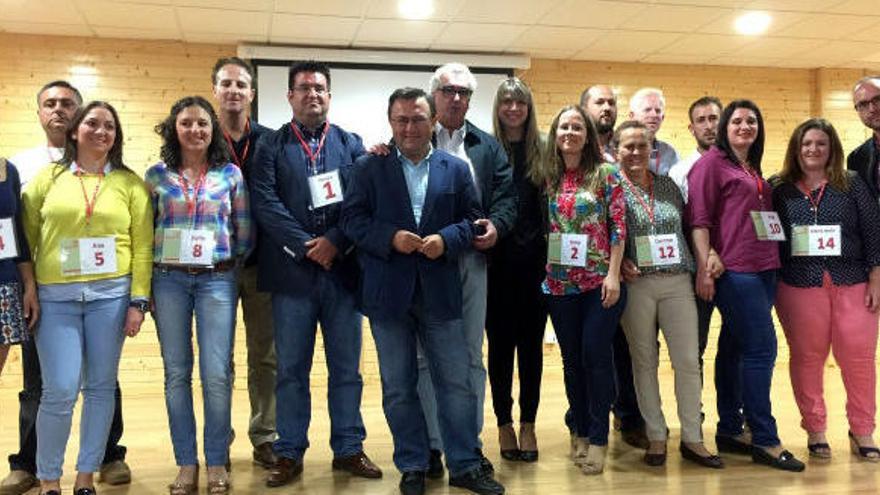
(140, 305)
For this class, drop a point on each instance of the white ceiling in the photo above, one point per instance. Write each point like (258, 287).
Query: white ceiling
(804, 33)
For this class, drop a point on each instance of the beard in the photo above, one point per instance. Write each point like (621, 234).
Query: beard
(604, 128)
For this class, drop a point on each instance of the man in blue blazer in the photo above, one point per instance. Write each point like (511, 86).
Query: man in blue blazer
(865, 160)
(411, 214)
(298, 183)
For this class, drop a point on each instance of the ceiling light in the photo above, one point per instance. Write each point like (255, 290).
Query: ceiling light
(415, 9)
(753, 23)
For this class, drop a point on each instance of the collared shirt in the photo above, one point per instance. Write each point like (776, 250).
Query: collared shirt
(29, 162)
(313, 139)
(221, 206)
(679, 173)
(454, 144)
(416, 176)
(663, 157)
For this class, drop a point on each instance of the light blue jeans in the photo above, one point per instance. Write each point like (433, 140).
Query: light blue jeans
(79, 344)
(212, 298)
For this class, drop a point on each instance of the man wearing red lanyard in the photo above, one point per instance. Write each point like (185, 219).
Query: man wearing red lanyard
(648, 106)
(298, 183)
(233, 89)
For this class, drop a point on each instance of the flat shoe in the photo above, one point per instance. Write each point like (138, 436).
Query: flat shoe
(786, 460)
(712, 461)
(730, 445)
(655, 459)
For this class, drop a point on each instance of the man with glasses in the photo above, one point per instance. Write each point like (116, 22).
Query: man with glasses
(298, 184)
(452, 86)
(865, 158)
(411, 213)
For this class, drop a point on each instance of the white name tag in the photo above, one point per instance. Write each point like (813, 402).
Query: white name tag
(8, 245)
(767, 226)
(326, 189)
(567, 249)
(657, 250)
(815, 240)
(88, 256)
(188, 247)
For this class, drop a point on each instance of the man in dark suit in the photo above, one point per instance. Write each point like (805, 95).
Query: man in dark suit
(864, 159)
(411, 214)
(298, 184)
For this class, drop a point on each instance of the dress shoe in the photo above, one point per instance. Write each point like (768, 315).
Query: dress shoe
(18, 482)
(359, 465)
(712, 461)
(478, 481)
(435, 465)
(284, 471)
(528, 451)
(655, 459)
(730, 445)
(485, 463)
(412, 483)
(84, 491)
(635, 437)
(115, 473)
(786, 461)
(264, 455)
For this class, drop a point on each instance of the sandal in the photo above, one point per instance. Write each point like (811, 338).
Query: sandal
(870, 454)
(820, 450)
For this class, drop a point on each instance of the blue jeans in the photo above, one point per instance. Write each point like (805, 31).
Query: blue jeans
(79, 344)
(212, 298)
(585, 331)
(474, 292)
(449, 371)
(745, 300)
(296, 319)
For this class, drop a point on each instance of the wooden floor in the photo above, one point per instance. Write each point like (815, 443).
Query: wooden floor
(150, 456)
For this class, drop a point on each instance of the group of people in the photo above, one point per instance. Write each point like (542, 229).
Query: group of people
(440, 235)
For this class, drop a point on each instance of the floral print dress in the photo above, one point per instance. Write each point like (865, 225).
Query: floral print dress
(598, 213)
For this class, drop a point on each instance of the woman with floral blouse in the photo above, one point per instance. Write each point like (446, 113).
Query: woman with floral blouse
(585, 248)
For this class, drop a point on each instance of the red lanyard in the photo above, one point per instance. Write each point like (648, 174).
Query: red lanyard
(649, 208)
(815, 204)
(247, 145)
(90, 205)
(184, 186)
(759, 183)
(313, 157)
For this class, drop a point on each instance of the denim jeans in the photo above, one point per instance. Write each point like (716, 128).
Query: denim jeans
(585, 331)
(475, 286)
(296, 319)
(449, 371)
(79, 345)
(745, 300)
(212, 298)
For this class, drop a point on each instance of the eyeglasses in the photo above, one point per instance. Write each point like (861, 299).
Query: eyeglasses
(863, 105)
(451, 91)
(307, 89)
(405, 121)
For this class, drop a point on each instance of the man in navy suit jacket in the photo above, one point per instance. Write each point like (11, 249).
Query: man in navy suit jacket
(865, 160)
(298, 183)
(411, 215)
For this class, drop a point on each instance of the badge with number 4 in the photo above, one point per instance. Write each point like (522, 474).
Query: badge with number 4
(567, 249)
(326, 189)
(657, 250)
(815, 240)
(88, 256)
(767, 226)
(8, 246)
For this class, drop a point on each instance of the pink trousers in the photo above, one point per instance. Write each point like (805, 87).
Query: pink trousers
(815, 320)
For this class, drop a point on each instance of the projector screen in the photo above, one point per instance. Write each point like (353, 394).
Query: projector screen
(359, 96)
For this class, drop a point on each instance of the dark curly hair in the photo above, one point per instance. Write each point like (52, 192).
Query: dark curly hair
(218, 154)
(71, 146)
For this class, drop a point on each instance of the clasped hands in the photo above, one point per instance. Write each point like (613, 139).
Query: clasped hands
(407, 242)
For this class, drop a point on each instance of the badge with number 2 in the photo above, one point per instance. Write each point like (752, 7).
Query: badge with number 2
(567, 249)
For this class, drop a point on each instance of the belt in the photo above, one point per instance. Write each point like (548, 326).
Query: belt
(223, 266)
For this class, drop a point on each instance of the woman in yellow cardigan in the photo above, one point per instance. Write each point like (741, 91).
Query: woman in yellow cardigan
(89, 222)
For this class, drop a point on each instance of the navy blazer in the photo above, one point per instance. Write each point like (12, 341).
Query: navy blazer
(864, 161)
(377, 204)
(281, 204)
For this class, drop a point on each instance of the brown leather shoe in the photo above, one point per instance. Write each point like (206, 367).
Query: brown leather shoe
(359, 465)
(264, 456)
(284, 471)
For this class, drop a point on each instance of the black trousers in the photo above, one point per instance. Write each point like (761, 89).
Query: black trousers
(516, 315)
(29, 403)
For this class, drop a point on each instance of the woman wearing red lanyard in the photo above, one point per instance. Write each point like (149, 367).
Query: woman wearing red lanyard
(657, 266)
(830, 289)
(202, 229)
(89, 222)
(730, 209)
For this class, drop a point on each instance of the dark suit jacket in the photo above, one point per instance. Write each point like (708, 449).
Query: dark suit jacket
(281, 204)
(864, 161)
(494, 177)
(377, 204)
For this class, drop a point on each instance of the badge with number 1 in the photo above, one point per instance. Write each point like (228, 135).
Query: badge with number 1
(326, 189)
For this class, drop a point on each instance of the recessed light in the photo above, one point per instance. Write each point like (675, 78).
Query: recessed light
(415, 9)
(753, 23)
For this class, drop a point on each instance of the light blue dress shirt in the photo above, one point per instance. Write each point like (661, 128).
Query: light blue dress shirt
(416, 176)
